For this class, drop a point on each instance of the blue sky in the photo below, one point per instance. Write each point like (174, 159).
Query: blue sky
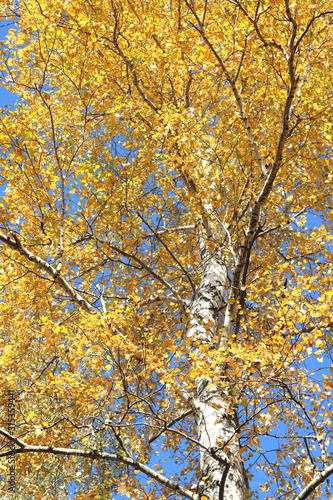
(6, 98)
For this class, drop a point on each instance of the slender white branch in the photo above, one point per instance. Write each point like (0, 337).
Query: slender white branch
(98, 455)
(168, 230)
(316, 481)
(14, 243)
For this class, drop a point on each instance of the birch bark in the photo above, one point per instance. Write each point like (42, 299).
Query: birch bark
(221, 467)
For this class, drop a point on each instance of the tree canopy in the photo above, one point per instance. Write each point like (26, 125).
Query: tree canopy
(166, 291)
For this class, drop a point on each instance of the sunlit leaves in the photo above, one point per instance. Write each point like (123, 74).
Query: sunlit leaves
(138, 122)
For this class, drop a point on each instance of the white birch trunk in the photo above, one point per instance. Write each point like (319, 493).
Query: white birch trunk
(221, 467)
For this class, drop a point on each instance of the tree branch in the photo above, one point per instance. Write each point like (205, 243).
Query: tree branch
(232, 82)
(99, 455)
(316, 481)
(172, 255)
(143, 265)
(167, 425)
(14, 243)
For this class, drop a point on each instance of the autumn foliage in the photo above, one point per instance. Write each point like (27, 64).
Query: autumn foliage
(166, 248)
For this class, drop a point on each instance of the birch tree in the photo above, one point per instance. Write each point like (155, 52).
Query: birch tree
(165, 287)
